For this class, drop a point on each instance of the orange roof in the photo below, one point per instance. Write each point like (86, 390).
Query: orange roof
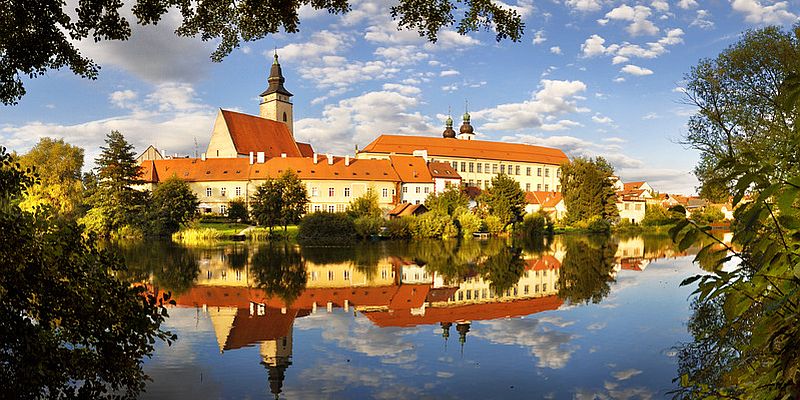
(256, 134)
(544, 263)
(441, 147)
(442, 170)
(411, 169)
(195, 169)
(249, 329)
(305, 149)
(468, 312)
(407, 209)
(545, 199)
(632, 185)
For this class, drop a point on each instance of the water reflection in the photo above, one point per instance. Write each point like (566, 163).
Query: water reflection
(253, 295)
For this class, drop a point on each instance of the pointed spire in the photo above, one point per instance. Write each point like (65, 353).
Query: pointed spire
(276, 79)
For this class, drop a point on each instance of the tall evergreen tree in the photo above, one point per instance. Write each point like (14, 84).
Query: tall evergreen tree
(588, 190)
(505, 199)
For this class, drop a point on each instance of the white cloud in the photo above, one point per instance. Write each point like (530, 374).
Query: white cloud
(449, 72)
(757, 13)
(402, 89)
(595, 46)
(401, 55)
(583, 5)
(335, 71)
(448, 39)
(619, 79)
(601, 119)
(553, 98)
(523, 7)
(687, 4)
(702, 20)
(555, 50)
(619, 60)
(450, 88)
(320, 44)
(638, 16)
(651, 116)
(122, 98)
(636, 70)
(660, 5)
(539, 38)
(577, 147)
(551, 348)
(560, 125)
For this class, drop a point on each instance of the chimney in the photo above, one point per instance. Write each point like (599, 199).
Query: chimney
(260, 157)
(283, 155)
(203, 156)
(347, 160)
(251, 158)
(330, 159)
(315, 158)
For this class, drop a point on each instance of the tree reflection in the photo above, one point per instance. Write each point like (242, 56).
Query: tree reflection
(586, 272)
(279, 270)
(504, 269)
(172, 267)
(238, 256)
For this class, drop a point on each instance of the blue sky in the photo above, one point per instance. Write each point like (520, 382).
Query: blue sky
(591, 77)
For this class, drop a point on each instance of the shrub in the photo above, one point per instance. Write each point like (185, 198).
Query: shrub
(429, 225)
(470, 223)
(537, 224)
(128, 232)
(237, 210)
(655, 215)
(450, 230)
(400, 228)
(365, 206)
(597, 224)
(196, 235)
(708, 215)
(494, 224)
(326, 228)
(367, 226)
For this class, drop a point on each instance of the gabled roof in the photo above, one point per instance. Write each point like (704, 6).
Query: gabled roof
(442, 147)
(545, 199)
(633, 185)
(407, 209)
(442, 170)
(247, 330)
(195, 169)
(411, 169)
(305, 149)
(256, 134)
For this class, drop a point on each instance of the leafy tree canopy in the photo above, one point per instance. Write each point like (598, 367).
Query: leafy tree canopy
(44, 31)
(365, 205)
(58, 165)
(588, 190)
(448, 201)
(172, 204)
(505, 199)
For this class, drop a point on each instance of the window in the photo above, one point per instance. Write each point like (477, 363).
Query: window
(527, 187)
(383, 274)
(546, 187)
(331, 208)
(638, 207)
(516, 170)
(538, 187)
(471, 167)
(502, 169)
(480, 182)
(417, 189)
(536, 288)
(330, 275)
(455, 165)
(385, 192)
(463, 166)
(544, 287)
(538, 172)
(223, 192)
(479, 167)
(346, 275)
(494, 168)
(627, 206)
(528, 171)
(314, 192)
(469, 294)
(222, 209)
(558, 172)
(546, 172)
(238, 191)
(317, 208)
(314, 275)
(416, 201)
(405, 189)
(346, 192)
(340, 208)
(427, 189)
(284, 117)
(486, 168)
(470, 183)
(208, 192)
(331, 192)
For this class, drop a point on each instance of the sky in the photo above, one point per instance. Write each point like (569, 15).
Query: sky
(591, 77)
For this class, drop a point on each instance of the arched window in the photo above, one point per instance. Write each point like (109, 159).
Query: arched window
(284, 116)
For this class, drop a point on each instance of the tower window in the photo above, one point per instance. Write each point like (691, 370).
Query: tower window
(284, 117)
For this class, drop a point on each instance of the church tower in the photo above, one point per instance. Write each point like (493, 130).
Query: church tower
(276, 101)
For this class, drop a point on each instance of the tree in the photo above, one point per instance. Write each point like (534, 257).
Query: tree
(294, 198)
(588, 190)
(172, 204)
(505, 199)
(655, 214)
(237, 210)
(44, 32)
(365, 205)
(586, 273)
(448, 201)
(58, 165)
(280, 271)
(115, 202)
(267, 204)
(68, 327)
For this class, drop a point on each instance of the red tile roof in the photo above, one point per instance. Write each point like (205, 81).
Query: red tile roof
(305, 149)
(441, 147)
(256, 134)
(249, 329)
(407, 209)
(545, 199)
(442, 170)
(632, 185)
(411, 169)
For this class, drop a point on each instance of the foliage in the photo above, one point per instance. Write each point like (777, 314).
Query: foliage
(748, 142)
(588, 190)
(68, 326)
(115, 202)
(400, 228)
(294, 200)
(656, 215)
(707, 215)
(172, 204)
(469, 223)
(196, 235)
(279, 271)
(504, 269)
(53, 30)
(448, 201)
(237, 211)
(368, 226)
(505, 199)
(430, 225)
(586, 272)
(326, 228)
(494, 224)
(598, 225)
(365, 205)
(537, 224)
(450, 230)
(58, 165)
(279, 201)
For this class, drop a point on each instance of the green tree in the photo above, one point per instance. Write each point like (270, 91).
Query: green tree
(68, 327)
(267, 203)
(586, 272)
(172, 204)
(588, 190)
(504, 269)
(505, 199)
(655, 214)
(115, 202)
(366, 205)
(323, 228)
(237, 210)
(448, 201)
(58, 165)
(294, 198)
(280, 271)
(45, 31)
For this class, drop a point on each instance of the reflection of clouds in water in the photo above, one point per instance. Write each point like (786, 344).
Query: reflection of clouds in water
(612, 391)
(359, 334)
(550, 347)
(596, 326)
(555, 321)
(444, 374)
(626, 374)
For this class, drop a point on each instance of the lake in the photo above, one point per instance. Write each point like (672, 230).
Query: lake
(578, 316)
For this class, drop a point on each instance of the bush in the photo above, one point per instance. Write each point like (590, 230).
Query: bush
(450, 230)
(655, 215)
(368, 226)
(128, 232)
(537, 224)
(494, 225)
(470, 223)
(429, 225)
(597, 224)
(196, 235)
(237, 211)
(326, 228)
(708, 215)
(400, 228)
(365, 206)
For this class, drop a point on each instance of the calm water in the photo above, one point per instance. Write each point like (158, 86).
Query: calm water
(579, 317)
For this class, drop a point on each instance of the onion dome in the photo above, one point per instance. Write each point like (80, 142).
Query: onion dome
(449, 133)
(466, 128)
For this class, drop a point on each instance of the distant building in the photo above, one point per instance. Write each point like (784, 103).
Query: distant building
(150, 153)
(550, 202)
